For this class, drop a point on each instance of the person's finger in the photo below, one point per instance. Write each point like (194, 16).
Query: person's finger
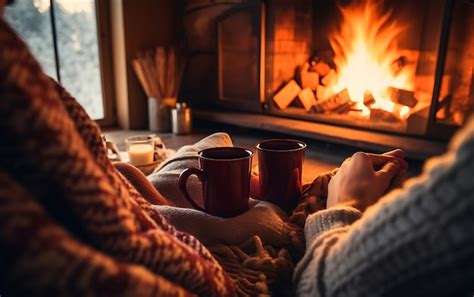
(362, 163)
(359, 157)
(380, 160)
(346, 161)
(399, 153)
(298, 218)
(388, 172)
(399, 179)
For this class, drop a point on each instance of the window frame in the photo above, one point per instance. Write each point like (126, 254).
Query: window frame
(106, 66)
(102, 11)
(104, 40)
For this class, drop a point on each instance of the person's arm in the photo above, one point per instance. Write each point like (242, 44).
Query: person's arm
(138, 180)
(39, 257)
(416, 241)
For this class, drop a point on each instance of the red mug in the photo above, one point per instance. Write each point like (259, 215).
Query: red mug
(225, 176)
(280, 163)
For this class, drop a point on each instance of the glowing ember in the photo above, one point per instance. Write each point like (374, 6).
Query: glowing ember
(365, 49)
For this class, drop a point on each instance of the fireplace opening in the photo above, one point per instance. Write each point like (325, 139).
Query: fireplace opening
(403, 68)
(399, 66)
(376, 74)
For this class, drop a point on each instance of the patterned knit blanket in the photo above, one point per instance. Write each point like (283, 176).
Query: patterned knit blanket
(70, 224)
(259, 269)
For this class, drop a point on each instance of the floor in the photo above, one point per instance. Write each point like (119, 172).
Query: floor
(319, 157)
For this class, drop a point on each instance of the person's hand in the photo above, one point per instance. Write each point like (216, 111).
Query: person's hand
(364, 178)
(263, 219)
(402, 174)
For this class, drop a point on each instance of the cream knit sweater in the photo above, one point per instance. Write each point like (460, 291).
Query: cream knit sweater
(416, 241)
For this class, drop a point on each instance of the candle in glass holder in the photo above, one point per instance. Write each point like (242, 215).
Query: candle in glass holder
(140, 150)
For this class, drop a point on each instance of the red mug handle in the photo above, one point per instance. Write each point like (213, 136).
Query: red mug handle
(183, 178)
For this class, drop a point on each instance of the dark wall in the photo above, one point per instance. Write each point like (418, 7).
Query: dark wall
(199, 86)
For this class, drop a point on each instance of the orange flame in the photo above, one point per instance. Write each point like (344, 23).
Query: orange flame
(365, 49)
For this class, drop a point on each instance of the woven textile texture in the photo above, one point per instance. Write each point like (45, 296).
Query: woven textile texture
(59, 191)
(415, 241)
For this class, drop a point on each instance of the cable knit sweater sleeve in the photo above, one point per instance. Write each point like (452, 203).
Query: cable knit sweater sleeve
(416, 241)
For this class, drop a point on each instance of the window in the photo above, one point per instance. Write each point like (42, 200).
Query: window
(63, 35)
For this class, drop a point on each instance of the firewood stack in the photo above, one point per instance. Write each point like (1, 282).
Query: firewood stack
(312, 87)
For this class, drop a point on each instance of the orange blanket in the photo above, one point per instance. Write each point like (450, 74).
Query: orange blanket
(68, 221)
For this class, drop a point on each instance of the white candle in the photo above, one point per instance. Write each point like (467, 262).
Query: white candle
(140, 154)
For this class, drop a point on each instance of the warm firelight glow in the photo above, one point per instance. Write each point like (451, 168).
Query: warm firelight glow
(365, 51)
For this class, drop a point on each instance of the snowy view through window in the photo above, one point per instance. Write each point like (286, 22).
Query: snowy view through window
(77, 44)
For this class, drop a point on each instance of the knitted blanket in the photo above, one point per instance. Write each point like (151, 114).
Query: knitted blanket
(70, 224)
(267, 269)
(65, 212)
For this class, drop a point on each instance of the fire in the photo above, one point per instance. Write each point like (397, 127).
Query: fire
(365, 51)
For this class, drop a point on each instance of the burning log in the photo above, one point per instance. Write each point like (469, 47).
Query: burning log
(307, 98)
(320, 67)
(309, 79)
(287, 94)
(382, 115)
(338, 103)
(345, 108)
(330, 78)
(323, 93)
(399, 111)
(403, 97)
(368, 98)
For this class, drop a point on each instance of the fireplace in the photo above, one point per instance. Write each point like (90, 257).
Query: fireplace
(402, 68)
